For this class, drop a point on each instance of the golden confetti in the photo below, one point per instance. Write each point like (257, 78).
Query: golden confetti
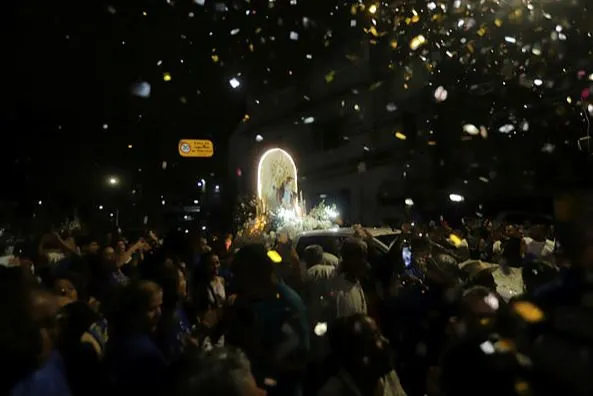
(274, 256)
(482, 31)
(521, 387)
(393, 44)
(417, 42)
(432, 143)
(455, 240)
(498, 22)
(214, 58)
(251, 47)
(246, 118)
(400, 135)
(166, 76)
(329, 77)
(373, 9)
(528, 311)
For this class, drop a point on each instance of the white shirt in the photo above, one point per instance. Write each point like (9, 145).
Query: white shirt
(342, 384)
(349, 296)
(539, 249)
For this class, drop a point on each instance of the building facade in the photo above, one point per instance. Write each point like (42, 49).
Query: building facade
(339, 123)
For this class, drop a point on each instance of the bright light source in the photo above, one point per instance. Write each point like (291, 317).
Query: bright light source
(320, 329)
(373, 9)
(456, 198)
(113, 181)
(234, 82)
(130, 146)
(409, 202)
(186, 231)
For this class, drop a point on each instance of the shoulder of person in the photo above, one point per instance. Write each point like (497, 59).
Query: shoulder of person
(333, 387)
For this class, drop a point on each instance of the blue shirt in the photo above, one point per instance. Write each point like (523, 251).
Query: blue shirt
(49, 380)
(282, 326)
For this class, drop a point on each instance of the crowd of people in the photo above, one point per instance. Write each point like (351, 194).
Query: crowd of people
(88, 315)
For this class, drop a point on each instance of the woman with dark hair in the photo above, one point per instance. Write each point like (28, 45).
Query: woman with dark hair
(134, 362)
(208, 291)
(174, 333)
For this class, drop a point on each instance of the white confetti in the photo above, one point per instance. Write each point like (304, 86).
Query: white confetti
(259, 138)
(471, 129)
(234, 82)
(164, 165)
(510, 39)
(309, 120)
(320, 329)
(440, 94)
(141, 89)
(235, 31)
(200, 2)
(294, 36)
(391, 107)
(506, 128)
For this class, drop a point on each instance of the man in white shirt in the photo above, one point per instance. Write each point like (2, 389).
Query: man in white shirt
(350, 298)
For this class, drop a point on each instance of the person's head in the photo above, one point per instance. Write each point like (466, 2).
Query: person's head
(221, 371)
(313, 255)
(252, 268)
(354, 257)
(67, 285)
(201, 245)
(120, 246)
(478, 308)
(137, 310)
(44, 311)
(93, 247)
(483, 278)
(536, 274)
(359, 346)
(211, 263)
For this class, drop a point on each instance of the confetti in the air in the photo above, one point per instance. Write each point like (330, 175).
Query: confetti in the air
(164, 165)
(471, 129)
(141, 89)
(440, 94)
(417, 42)
(259, 138)
(294, 36)
(309, 120)
(166, 76)
(234, 83)
(391, 107)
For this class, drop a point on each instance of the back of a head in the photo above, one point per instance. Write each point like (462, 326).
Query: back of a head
(536, 274)
(252, 260)
(353, 249)
(126, 312)
(221, 371)
(313, 255)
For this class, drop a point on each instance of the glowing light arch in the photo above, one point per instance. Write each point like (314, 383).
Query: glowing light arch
(262, 162)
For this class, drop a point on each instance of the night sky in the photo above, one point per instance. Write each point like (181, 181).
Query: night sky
(517, 69)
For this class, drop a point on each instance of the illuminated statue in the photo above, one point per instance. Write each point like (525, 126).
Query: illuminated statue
(277, 180)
